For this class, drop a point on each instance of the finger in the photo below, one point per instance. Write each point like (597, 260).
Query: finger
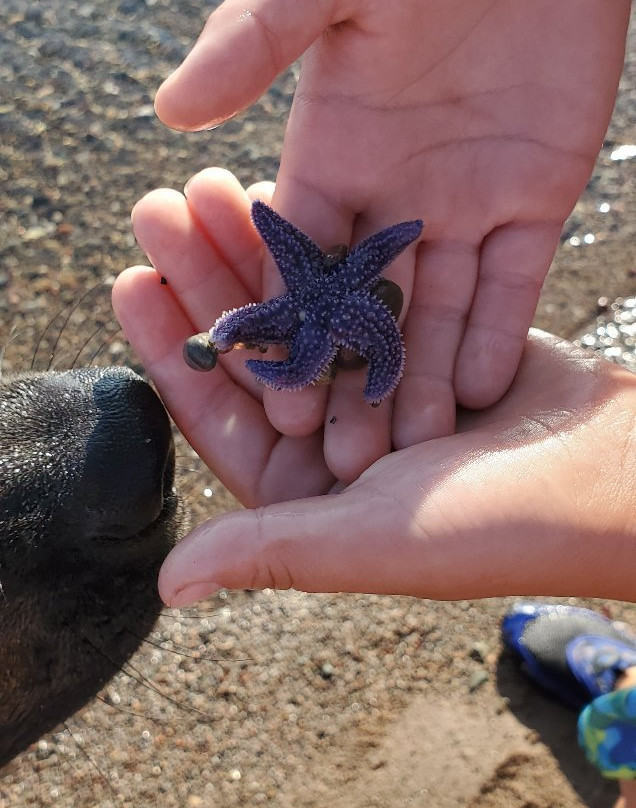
(224, 424)
(302, 412)
(336, 543)
(263, 190)
(239, 53)
(183, 249)
(221, 208)
(356, 435)
(513, 264)
(307, 407)
(268, 37)
(445, 277)
(400, 530)
(460, 517)
(187, 257)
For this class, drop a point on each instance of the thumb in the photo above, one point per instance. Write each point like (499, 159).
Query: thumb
(428, 523)
(337, 543)
(242, 48)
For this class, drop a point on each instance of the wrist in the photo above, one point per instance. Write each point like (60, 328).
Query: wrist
(548, 500)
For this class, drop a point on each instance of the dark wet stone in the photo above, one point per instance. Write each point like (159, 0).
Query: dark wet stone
(198, 353)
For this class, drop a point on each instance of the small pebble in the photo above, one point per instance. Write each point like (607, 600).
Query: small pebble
(327, 670)
(44, 750)
(478, 651)
(198, 352)
(476, 680)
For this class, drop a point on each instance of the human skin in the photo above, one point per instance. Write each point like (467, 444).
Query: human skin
(483, 117)
(628, 794)
(533, 495)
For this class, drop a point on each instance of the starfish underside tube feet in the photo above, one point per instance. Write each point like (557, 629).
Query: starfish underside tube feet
(335, 302)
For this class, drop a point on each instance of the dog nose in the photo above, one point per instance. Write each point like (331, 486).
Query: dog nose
(128, 455)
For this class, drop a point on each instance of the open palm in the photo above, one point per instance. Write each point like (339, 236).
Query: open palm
(209, 253)
(483, 117)
(531, 496)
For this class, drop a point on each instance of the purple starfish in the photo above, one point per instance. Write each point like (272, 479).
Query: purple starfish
(332, 302)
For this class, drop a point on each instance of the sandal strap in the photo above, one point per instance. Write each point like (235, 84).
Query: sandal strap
(598, 661)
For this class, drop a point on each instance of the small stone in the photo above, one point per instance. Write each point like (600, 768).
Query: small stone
(199, 353)
(38, 231)
(327, 670)
(391, 295)
(145, 111)
(478, 651)
(477, 679)
(44, 750)
(34, 14)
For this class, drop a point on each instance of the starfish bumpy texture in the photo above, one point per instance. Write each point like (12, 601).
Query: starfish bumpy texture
(331, 303)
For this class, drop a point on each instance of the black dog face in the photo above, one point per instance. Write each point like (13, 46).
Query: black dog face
(88, 511)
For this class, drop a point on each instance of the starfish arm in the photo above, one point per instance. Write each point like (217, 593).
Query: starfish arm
(311, 352)
(365, 325)
(367, 259)
(298, 258)
(269, 323)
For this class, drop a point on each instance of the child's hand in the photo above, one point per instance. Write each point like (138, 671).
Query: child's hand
(211, 255)
(482, 117)
(533, 495)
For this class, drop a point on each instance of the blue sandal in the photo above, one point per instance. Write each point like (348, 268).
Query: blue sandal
(575, 654)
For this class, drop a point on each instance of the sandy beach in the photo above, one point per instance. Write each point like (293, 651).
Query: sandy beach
(275, 698)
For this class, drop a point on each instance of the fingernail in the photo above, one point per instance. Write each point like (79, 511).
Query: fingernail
(191, 593)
